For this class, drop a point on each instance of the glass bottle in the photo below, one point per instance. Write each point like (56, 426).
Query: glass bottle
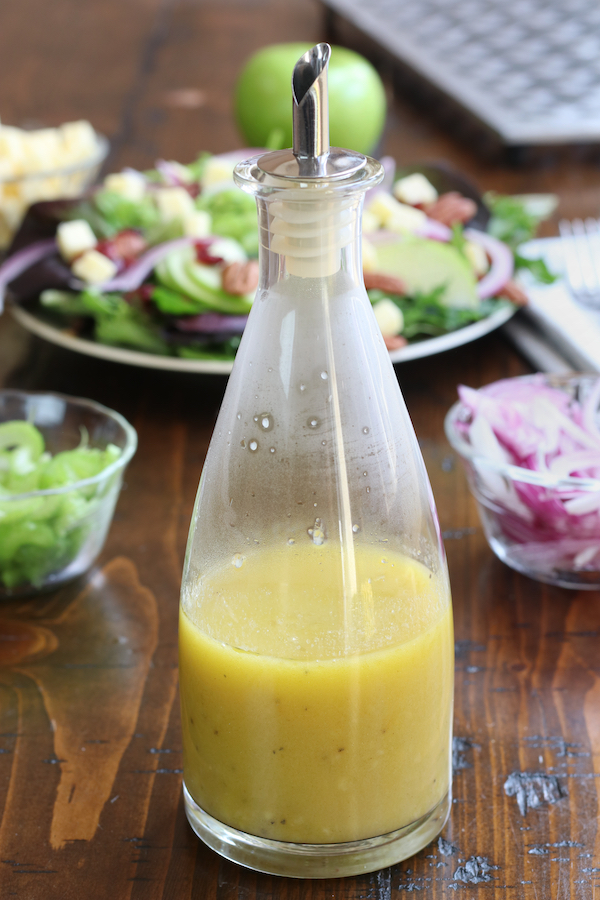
(316, 651)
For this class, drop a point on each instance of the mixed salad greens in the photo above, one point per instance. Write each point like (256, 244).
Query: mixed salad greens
(42, 533)
(164, 261)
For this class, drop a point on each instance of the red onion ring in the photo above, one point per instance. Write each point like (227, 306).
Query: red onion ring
(131, 278)
(212, 323)
(22, 260)
(502, 263)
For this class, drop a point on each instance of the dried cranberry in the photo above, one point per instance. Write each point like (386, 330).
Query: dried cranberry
(203, 254)
(124, 247)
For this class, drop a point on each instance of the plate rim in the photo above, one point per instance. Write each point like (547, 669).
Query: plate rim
(418, 350)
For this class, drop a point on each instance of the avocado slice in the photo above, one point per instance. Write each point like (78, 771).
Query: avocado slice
(424, 265)
(180, 272)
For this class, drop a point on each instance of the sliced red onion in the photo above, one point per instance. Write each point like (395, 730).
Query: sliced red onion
(431, 229)
(576, 462)
(211, 323)
(22, 260)
(131, 278)
(170, 173)
(590, 412)
(435, 230)
(502, 263)
(556, 458)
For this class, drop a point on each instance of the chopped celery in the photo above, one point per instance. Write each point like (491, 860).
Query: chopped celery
(41, 535)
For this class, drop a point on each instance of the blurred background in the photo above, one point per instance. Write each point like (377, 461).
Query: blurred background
(157, 77)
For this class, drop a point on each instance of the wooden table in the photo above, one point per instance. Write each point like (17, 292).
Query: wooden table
(90, 765)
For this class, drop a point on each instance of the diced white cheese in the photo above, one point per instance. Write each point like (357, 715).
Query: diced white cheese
(395, 216)
(35, 153)
(477, 257)
(79, 140)
(197, 224)
(389, 317)
(129, 184)
(93, 267)
(74, 238)
(228, 250)
(415, 190)
(369, 255)
(174, 203)
(217, 171)
(370, 222)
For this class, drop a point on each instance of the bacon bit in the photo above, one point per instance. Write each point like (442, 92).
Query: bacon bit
(382, 282)
(515, 293)
(451, 207)
(240, 278)
(203, 254)
(394, 341)
(124, 248)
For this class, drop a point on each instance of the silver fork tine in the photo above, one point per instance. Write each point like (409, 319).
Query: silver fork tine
(584, 255)
(593, 245)
(581, 257)
(570, 259)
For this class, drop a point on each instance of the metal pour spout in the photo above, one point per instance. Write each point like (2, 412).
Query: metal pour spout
(310, 111)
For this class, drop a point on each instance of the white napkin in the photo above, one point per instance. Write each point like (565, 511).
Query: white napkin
(570, 327)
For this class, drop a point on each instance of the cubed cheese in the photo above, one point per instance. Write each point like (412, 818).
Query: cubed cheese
(129, 184)
(197, 224)
(79, 140)
(389, 317)
(477, 257)
(369, 255)
(45, 150)
(216, 171)
(415, 190)
(370, 222)
(395, 216)
(93, 267)
(74, 238)
(174, 203)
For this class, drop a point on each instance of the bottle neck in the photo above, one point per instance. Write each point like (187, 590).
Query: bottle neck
(309, 237)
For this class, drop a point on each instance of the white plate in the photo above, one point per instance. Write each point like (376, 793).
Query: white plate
(213, 367)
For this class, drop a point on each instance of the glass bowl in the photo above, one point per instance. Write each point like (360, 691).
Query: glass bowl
(49, 537)
(525, 513)
(19, 192)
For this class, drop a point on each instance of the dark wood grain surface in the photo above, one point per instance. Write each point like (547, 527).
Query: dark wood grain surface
(90, 764)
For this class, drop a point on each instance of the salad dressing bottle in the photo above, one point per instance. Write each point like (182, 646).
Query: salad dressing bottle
(316, 650)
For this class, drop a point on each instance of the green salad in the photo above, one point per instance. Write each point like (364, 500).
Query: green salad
(164, 262)
(42, 533)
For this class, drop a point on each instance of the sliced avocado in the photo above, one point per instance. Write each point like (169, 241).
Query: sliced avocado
(173, 303)
(425, 265)
(172, 273)
(180, 272)
(203, 278)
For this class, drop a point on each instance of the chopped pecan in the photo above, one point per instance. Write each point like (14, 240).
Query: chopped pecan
(382, 282)
(515, 293)
(451, 207)
(394, 341)
(240, 278)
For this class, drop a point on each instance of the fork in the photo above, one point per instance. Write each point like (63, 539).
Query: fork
(581, 256)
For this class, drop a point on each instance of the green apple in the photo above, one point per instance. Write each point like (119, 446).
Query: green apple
(263, 98)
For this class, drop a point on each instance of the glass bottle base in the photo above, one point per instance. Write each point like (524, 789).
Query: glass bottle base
(316, 860)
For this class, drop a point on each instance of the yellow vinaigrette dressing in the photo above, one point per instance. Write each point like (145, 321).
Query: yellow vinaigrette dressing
(295, 733)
